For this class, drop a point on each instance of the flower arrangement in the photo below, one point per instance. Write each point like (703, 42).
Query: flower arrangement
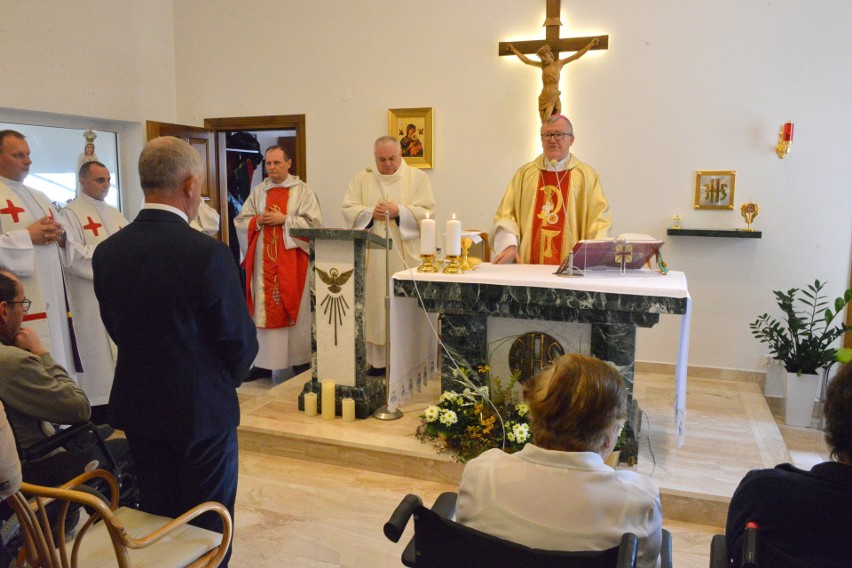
(477, 418)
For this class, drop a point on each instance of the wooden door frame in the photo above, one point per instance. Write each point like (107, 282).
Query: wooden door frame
(220, 126)
(155, 129)
(273, 122)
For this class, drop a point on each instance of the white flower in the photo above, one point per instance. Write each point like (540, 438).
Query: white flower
(431, 413)
(522, 408)
(521, 432)
(448, 417)
(511, 436)
(482, 391)
(448, 396)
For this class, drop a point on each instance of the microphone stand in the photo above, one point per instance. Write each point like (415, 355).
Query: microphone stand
(383, 413)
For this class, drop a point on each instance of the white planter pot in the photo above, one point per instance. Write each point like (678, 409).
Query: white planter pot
(802, 390)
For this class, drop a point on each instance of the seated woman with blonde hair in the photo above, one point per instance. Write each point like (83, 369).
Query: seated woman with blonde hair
(557, 493)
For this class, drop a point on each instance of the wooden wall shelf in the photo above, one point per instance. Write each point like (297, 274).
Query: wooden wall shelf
(727, 233)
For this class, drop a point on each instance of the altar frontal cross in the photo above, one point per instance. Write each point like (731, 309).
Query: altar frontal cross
(557, 44)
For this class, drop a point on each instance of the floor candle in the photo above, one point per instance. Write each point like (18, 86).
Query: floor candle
(328, 399)
(348, 409)
(311, 404)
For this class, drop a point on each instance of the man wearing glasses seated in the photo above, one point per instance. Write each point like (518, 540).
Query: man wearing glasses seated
(36, 391)
(551, 203)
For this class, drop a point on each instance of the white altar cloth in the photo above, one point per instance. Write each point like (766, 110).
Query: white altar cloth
(414, 341)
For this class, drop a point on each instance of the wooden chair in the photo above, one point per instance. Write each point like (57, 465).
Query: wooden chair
(113, 535)
(441, 542)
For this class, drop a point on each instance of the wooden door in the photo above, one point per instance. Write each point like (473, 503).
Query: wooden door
(203, 140)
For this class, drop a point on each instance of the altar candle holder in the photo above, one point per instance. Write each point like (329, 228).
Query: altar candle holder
(453, 267)
(428, 264)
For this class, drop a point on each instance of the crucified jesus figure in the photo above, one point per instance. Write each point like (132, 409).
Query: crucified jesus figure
(548, 100)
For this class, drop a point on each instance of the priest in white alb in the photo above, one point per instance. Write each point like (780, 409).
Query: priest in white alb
(31, 238)
(277, 264)
(551, 203)
(89, 219)
(404, 195)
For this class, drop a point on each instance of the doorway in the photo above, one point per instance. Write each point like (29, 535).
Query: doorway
(235, 154)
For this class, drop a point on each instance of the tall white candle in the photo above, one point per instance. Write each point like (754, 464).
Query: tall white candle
(427, 236)
(328, 399)
(348, 412)
(454, 237)
(311, 404)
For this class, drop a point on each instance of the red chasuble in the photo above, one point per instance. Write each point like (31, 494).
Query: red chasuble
(551, 199)
(284, 270)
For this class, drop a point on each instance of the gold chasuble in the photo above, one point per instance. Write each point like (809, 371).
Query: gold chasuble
(547, 212)
(284, 270)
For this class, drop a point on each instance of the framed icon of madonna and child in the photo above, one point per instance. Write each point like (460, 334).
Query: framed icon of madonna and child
(413, 128)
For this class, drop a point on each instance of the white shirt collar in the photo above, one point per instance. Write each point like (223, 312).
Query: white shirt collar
(164, 207)
(559, 166)
(12, 183)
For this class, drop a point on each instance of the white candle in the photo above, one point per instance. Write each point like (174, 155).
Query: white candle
(427, 236)
(348, 409)
(328, 399)
(453, 237)
(311, 404)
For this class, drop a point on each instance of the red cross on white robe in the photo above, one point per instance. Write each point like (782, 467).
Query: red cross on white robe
(13, 210)
(92, 226)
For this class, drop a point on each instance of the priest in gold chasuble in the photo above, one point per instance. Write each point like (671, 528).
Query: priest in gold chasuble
(551, 203)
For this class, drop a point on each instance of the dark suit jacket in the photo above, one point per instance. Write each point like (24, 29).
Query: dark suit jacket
(170, 298)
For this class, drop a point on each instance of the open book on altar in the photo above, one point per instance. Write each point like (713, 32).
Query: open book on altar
(626, 251)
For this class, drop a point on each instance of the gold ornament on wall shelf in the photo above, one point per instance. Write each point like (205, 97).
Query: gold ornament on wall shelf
(749, 211)
(676, 222)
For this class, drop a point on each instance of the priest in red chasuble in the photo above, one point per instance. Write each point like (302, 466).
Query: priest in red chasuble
(277, 289)
(551, 203)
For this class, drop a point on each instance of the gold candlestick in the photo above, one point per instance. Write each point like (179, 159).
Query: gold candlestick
(453, 267)
(428, 264)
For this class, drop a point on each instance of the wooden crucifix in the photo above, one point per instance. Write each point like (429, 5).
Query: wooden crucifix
(548, 53)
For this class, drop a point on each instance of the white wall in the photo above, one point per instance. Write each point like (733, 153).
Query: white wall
(90, 64)
(90, 58)
(684, 86)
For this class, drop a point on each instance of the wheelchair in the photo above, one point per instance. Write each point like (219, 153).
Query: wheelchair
(441, 542)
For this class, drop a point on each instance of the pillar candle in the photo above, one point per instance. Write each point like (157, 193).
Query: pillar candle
(311, 404)
(427, 236)
(348, 409)
(328, 399)
(453, 237)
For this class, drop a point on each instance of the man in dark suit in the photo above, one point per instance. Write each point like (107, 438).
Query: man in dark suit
(170, 298)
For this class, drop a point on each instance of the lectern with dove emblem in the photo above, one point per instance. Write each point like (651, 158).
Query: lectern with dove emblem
(338, 268)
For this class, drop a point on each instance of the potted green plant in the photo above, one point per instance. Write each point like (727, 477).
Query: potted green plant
(803, 342)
